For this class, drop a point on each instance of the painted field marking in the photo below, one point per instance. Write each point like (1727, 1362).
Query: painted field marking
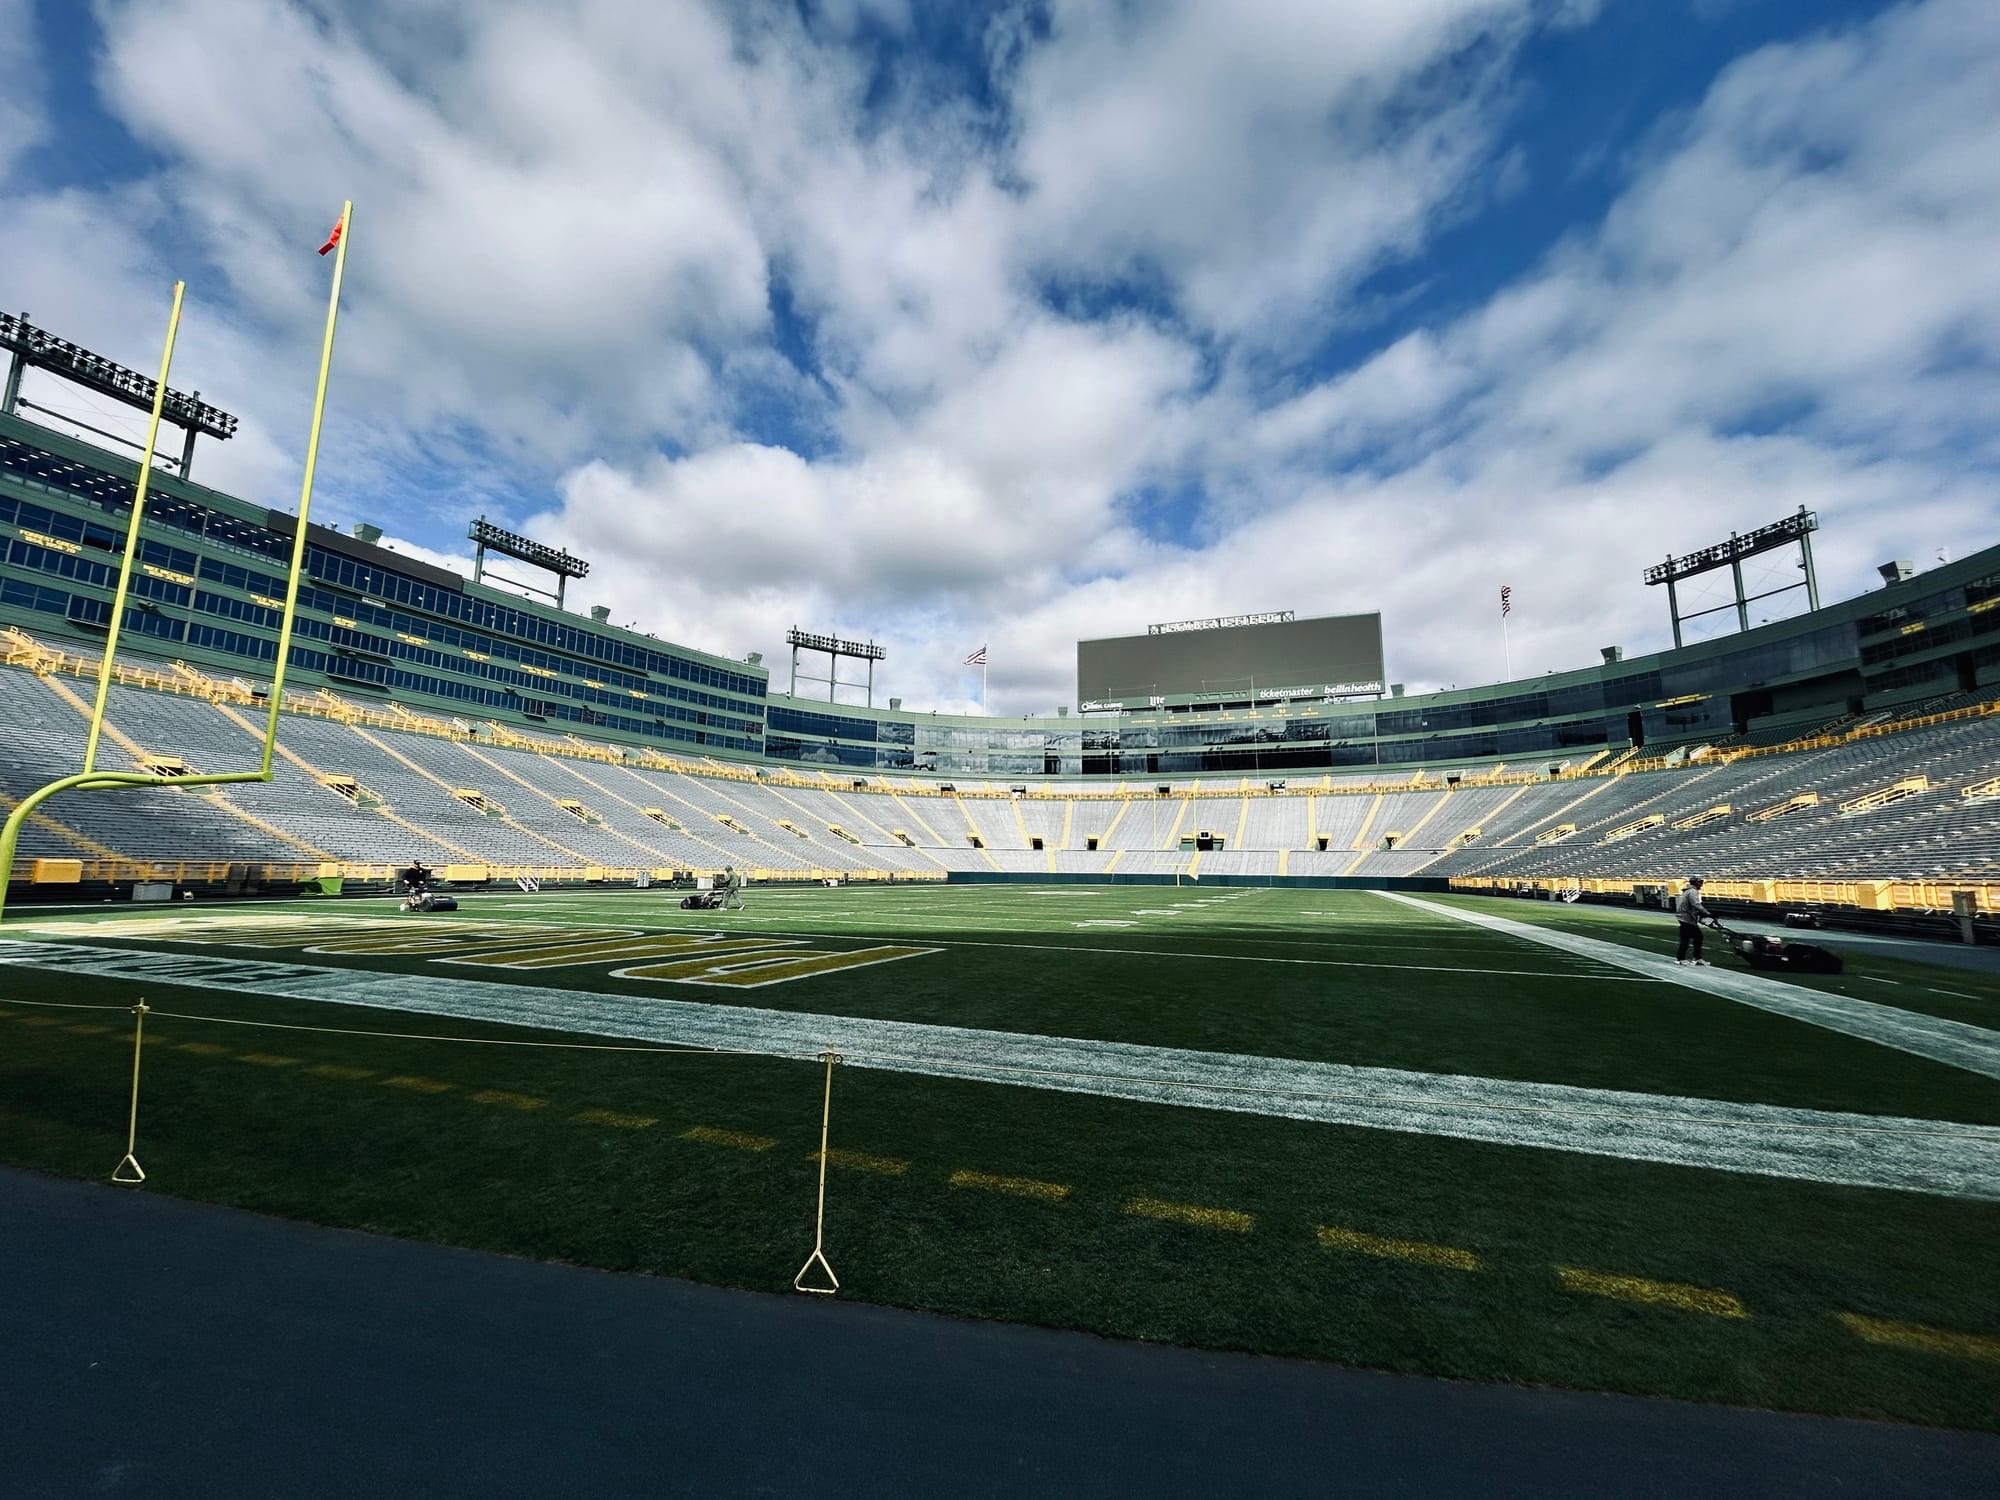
(1017, 1187)
(202, 1049)
(1925, 1340)
(1191, 1213)
(8, 1014)
(1445, 1257)
(1957, 1044)
(735, 1140)
(41, 1020)
(88, 1028)
(615, 1120)
(1870, 978)
(268, 1059)
(1946, 1157)
(862, 1161)
(1674, 1294)
(340, 1070)
(415, 1084)
(1959, 993)
(523, 1102)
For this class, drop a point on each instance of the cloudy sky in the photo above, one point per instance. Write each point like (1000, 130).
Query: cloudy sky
(1015, 323)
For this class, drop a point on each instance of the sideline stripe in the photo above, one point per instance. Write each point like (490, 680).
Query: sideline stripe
(1445, 1257)
(1957, 1044)
(1191, 1213)
(1018, 1187)
(1861, 1150)
(1946, 1341)
(1699, 1299)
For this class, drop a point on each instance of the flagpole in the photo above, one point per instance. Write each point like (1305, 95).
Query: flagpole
(306, 491)
(1506, 656)
(982, 681)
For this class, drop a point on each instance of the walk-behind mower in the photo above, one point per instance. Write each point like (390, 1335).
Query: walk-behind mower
(1777, 953)
(702, 901)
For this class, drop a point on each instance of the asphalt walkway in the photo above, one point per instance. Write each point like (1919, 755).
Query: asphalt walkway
(151, 1347)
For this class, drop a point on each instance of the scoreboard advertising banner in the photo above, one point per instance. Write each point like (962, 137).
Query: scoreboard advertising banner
(1331, 656)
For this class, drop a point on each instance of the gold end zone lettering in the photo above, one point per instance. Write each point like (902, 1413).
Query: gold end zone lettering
(780, 968)
(569, 955)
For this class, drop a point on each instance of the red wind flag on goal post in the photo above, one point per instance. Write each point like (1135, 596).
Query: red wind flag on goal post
(334, 238)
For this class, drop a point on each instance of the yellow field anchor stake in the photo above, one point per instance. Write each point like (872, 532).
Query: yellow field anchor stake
(830, 1057)
(129, 1170)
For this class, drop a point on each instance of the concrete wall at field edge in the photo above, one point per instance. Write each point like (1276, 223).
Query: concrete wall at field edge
(1413, 883)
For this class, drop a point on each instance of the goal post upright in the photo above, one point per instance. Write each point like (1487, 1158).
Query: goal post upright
(92, 779)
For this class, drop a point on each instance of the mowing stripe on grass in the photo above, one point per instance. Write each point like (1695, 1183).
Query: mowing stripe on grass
(615, 1120)
(1946, 1341)
(1699, 1299)
(861, 1161)
(1016, 1187)
(1944, 1157)
(1954, 1043)
(735, 1140)
(1446, 1257)
(1191, 1213)
(523, 1102)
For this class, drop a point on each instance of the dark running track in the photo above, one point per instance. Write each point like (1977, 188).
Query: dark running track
(157, 1348)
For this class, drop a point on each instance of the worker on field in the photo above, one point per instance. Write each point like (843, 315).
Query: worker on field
(732, 888)
(1690, 913)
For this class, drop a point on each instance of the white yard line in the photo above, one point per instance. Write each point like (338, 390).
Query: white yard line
(1927, 1156)
(1954, 1043)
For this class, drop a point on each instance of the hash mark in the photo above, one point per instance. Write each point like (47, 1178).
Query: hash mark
(1191, 1213)
(1019, 1187)
(1658, 1293)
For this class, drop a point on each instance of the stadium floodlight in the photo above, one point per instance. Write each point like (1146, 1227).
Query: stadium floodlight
(1792, 531)
(833, 648)
(485, 537)
(36, 348)
(1223, 622)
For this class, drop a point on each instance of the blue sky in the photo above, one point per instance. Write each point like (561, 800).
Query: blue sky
(1026, 322)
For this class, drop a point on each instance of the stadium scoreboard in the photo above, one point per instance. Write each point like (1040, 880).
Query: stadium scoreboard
(1264, 658)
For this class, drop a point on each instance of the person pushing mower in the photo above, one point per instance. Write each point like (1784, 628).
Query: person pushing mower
(1691, 914)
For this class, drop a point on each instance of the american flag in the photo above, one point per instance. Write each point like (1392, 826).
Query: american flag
(977, 659)
(1506, 601)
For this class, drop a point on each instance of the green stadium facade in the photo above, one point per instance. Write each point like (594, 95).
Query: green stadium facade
(376, 625)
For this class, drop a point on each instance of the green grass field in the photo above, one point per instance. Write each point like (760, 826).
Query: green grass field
(1026, 1189)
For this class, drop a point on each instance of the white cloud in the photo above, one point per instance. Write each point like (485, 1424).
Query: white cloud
(22, 124)
(570, 217)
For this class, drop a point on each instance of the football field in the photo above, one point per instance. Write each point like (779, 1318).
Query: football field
(1454, 1135)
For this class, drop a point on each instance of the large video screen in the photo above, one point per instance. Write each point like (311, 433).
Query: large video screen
(1330, 656)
